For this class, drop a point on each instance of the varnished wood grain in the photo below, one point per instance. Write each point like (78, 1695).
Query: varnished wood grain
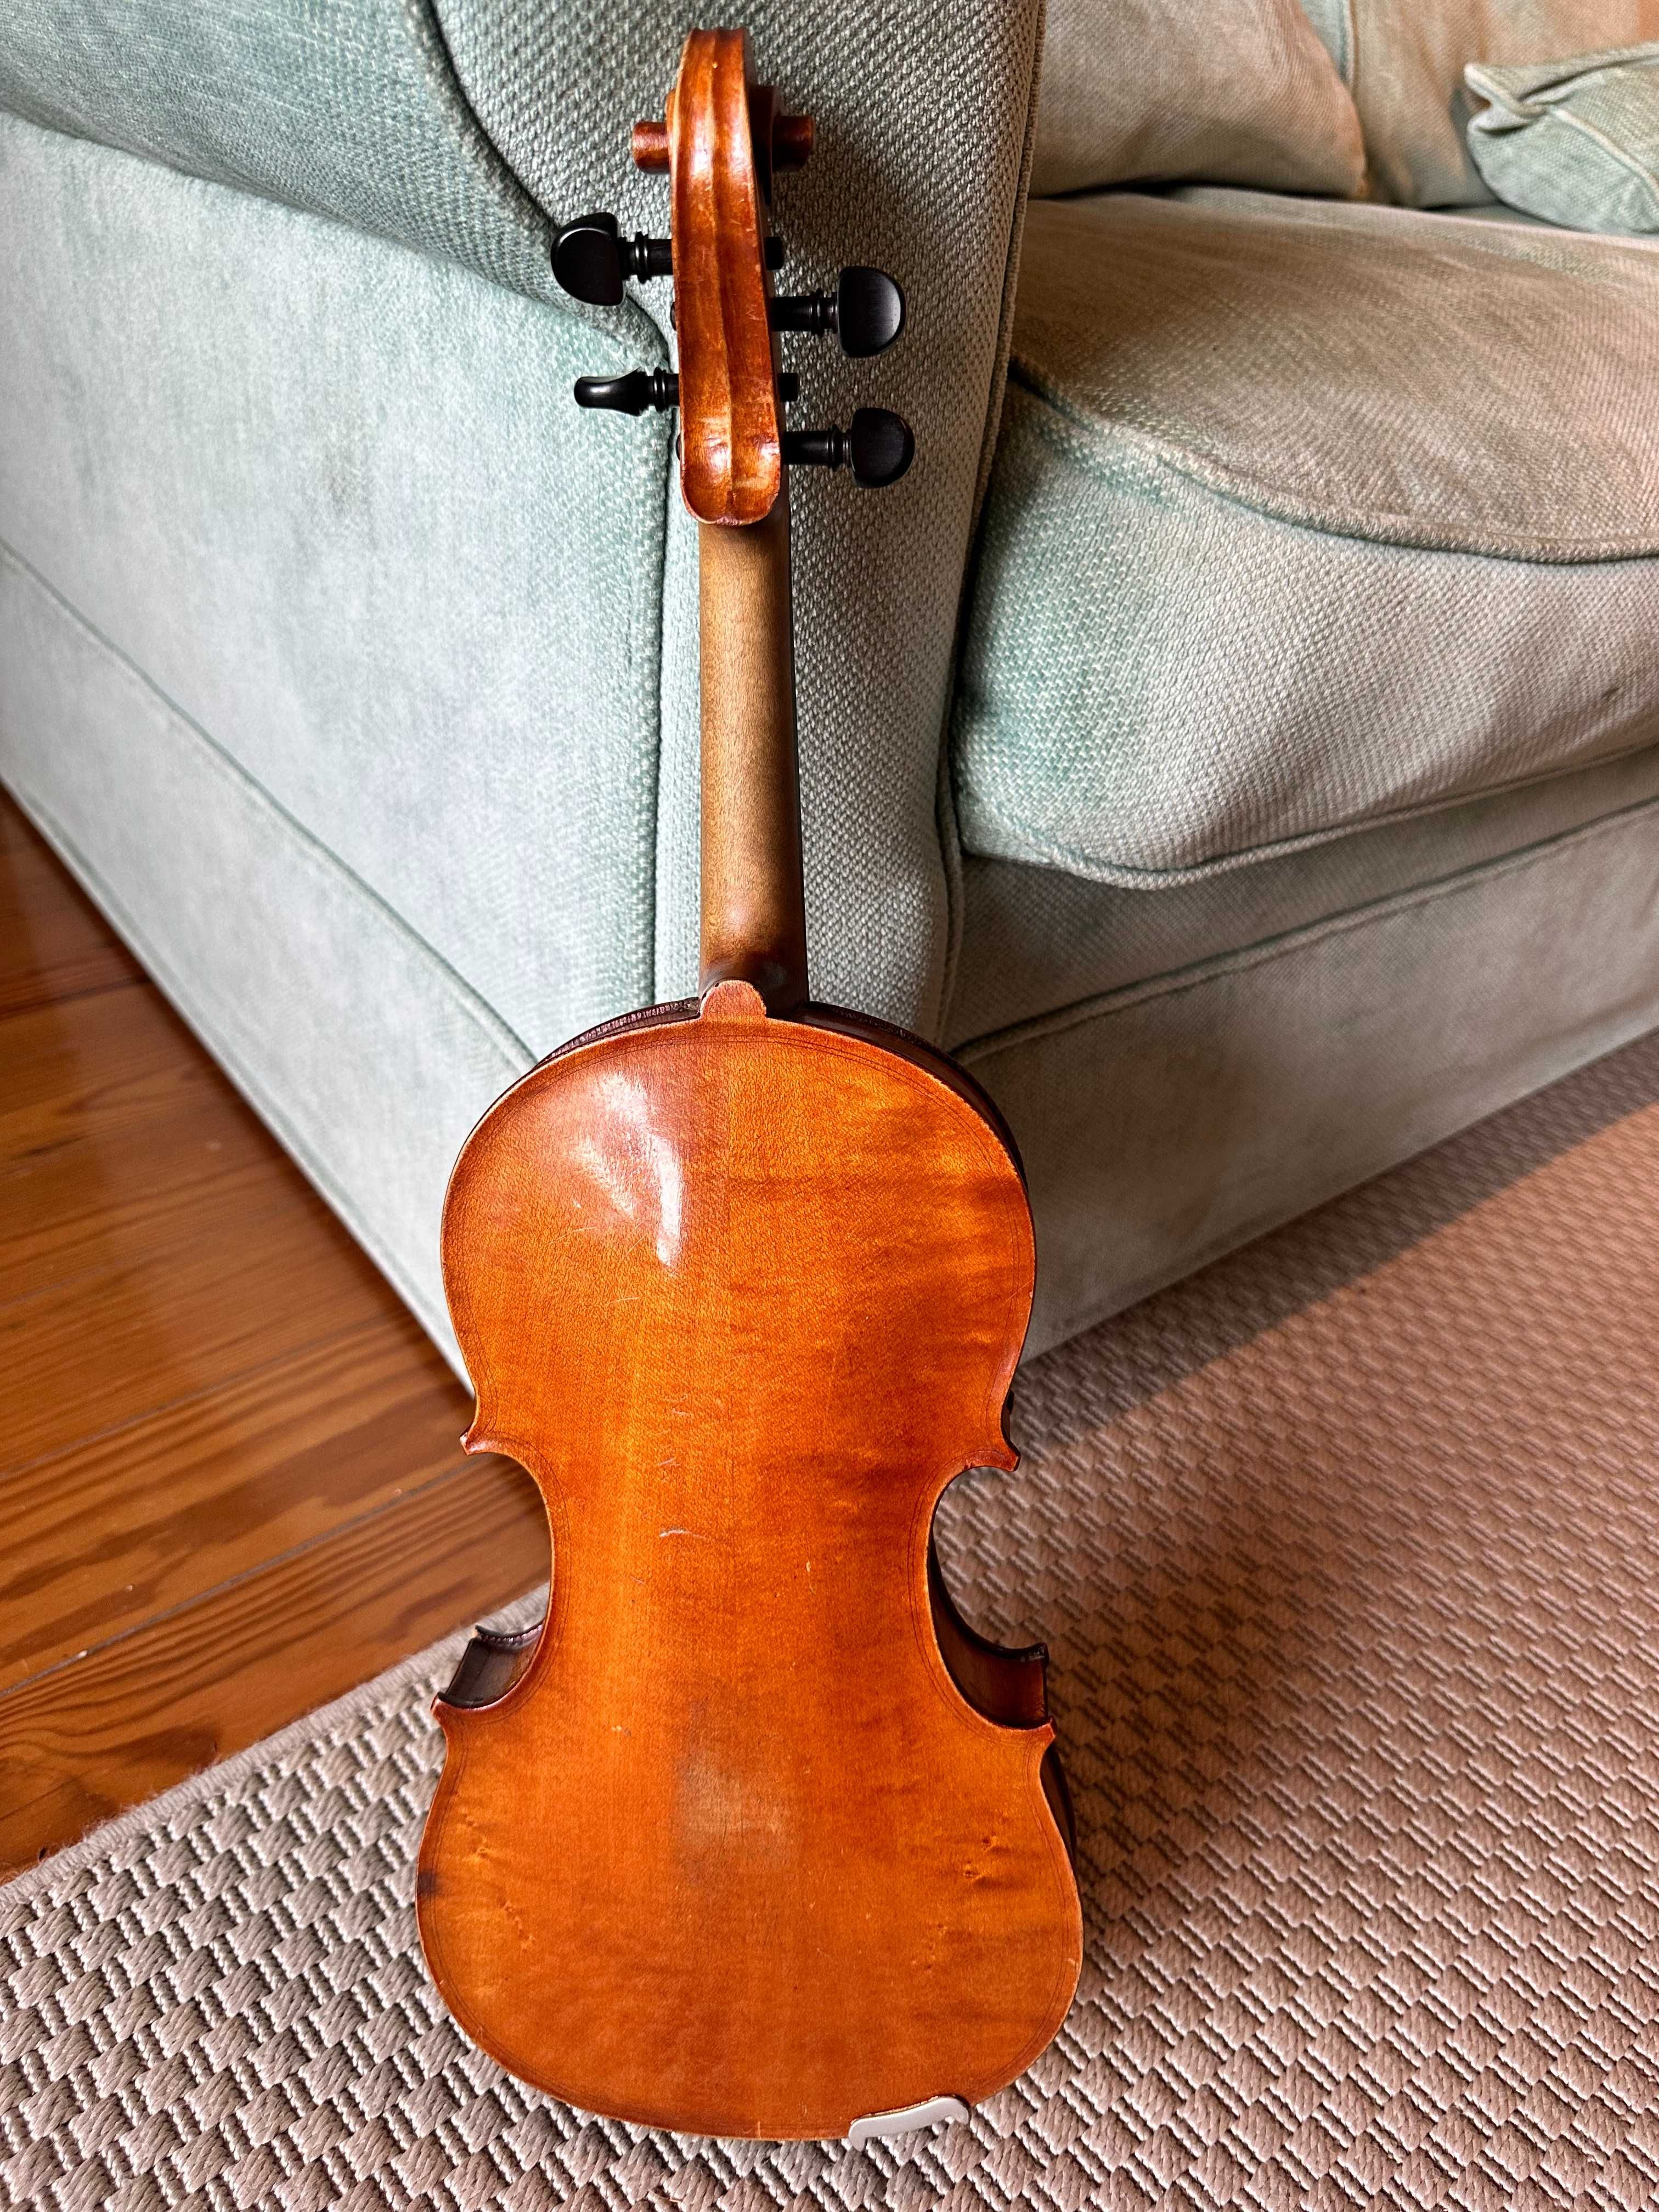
(730, 438)
(225, 1281)
(50, 948)
(737, 1854)
(141, 1711)
(106, 1111)
(753, 909)
(229, 1463)
(119, 1528)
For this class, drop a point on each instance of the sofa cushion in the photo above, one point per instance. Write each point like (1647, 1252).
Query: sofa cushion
(1034, 941)
(1240, 92)
(1408, 63)
(1305, 516)
(1575, 142)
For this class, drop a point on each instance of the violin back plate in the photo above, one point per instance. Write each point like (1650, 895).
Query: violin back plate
(735, 1854)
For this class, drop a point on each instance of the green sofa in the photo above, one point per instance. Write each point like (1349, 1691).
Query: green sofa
(1238, 739)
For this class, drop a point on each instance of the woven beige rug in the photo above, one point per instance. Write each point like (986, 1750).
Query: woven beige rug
(1348, 1554)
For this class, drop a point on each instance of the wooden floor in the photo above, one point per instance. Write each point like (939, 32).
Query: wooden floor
(230, 1486)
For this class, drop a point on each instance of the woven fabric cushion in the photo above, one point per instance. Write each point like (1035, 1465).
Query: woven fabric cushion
(1575, 142)
(351, 110)
(1408, 63)
(1239, 92)
(1255, 570)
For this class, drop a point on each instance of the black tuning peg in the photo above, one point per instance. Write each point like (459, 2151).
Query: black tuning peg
(865, 311)
(590, 258)
(631, 394)
(652, 387)
(879, 445)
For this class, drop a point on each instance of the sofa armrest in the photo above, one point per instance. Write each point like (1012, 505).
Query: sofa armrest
(924, 120)
(463, 129)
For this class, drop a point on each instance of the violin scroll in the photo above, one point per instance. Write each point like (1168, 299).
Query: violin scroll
(721, 142)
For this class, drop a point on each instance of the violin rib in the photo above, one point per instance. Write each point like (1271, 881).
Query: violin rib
(735, 1854)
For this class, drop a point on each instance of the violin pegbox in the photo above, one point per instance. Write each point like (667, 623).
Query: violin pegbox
(721, 143)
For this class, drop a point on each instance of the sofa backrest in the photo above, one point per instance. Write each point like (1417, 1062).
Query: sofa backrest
(1405, 61)
(461, 128)
(1233, 92)
(350, 110)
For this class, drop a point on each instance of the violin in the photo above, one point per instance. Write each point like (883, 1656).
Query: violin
(753, 1836)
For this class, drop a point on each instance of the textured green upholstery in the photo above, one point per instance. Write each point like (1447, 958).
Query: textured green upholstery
(1572, 141)
(348, 111)
(1037, 940)
(1255, 571)
(1406, 64)
(1240, 92)
(1165, 1122)
(331, 498)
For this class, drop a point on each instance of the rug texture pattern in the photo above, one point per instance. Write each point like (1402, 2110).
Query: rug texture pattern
(1348, 1555)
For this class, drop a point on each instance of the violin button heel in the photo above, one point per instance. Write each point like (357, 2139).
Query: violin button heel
(931, 2113)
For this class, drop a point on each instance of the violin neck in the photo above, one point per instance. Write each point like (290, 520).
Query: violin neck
(754, 911)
